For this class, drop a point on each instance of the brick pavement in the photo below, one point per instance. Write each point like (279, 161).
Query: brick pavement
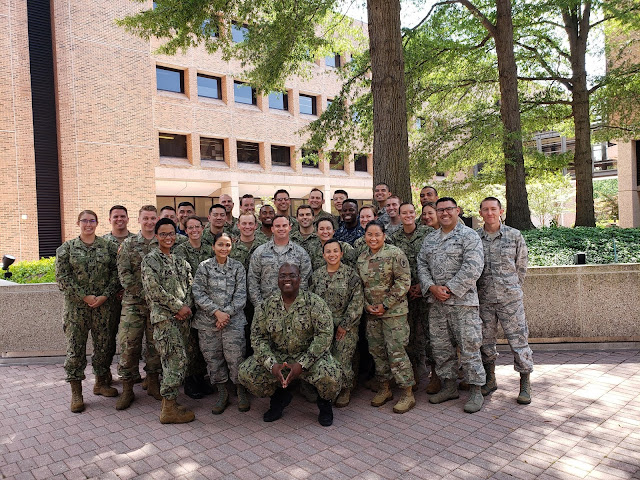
(584, 422)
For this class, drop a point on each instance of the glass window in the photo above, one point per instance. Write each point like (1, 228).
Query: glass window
(173, 145)
(332, 61)
(309, 158)
(244, 93)
(238, 32)
(210, 87)
(336, 162)
(170, 79)
(279, 101)
(308, 105)
(212, 149)
(280, 155)
(360, 162)
(329, 102)
(248, 152)
(209, 29)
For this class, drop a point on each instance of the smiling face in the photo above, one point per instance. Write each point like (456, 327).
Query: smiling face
(247, 224)
(118, 219)
(381, 193)
(185, 212)
(267, 213)
(147, 221)
(87, 223)
(332, 254)
(289, 279)
(325, 230)
(222, 248)
(392, 206)
(281, 229)
(227, 202)
(194, 229)
(248, 205)
(408, 214)
(283, 203)
(217, 217)
(166, 236)
(429, 217)
(447, 213)
(366, 215)
(349, 213)
(491, 212)
(316, 200)
(428, 194)
(338, 198)
(374, 237)
(305, 217)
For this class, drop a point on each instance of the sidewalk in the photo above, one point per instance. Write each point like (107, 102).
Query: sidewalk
(584, 422)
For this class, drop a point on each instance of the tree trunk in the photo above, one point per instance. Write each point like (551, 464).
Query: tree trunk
(390, 137)
(518, 213)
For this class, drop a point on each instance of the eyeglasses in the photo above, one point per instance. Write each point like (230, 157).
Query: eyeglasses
(87, 221)
(285, 276)
(446, 209)
(166, 234)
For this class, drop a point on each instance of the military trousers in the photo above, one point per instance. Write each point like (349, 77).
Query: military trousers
(223, 350)
(134, 325)
(343, 351)
(388, 338)
(325, 375)
(171, 337)
(451, 326)
(419, 345)
(78, 320)
(115, 307)
(514, 324)
(196, 364)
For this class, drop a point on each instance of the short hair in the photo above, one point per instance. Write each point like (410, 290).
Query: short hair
(216, 205)
(406, 203)
(369, 206)
(343, 192)
(118, 207)
(317, 190)
(89, 212)
(193, 217)
(394, 196)
(489, 199)
(281, 216)
(165, 221)
(246, 195)
(429, 186)
(248, 214)
(167, 207)
(350, 200)
(279, 191)
(291, 265)
(331, 240)
(265, 206)
(324, 219)
(187, 204)
(382, 183)
(218, 235)
(302, 207)
(446, 199)
(376, 223)
(148, 208)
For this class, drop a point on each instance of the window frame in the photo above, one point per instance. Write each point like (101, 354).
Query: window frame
(160, 143)
(254, 96)
(218, 81)
(221, 140)
(242, 144)
(170, 69)
(314, 104)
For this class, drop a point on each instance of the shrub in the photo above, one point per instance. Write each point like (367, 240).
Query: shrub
(37, 271)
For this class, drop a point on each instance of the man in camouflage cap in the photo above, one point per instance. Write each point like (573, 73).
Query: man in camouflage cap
(449, 264)
(292, 332)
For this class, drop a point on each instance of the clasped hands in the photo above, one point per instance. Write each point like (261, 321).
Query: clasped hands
(294, 372)
(94, 302)
(183, 314)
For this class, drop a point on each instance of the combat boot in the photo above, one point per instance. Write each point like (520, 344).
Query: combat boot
(77, 402)
(279, 400)
(406, 402)
(434, 383)
(243, 399)
(153, 385)
(102, 387)
(223, 399)
(344, 398)
(491, 385)
(448, 392)
(109, 377)
(126, 399)
(325, 417)
(474, 404)
(525, 390)
(383, 396)
(172, 414)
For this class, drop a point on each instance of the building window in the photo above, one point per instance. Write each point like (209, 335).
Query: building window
(310, 158)
(248, 152)
(210, 87)
(209, 29)
(308, 105)
(212, 149)
(332, 61)
(279, 101)
(173, 145)
(238, 32)
(336, 161)
(360, 162)
(329, 102)
(170, 79)
(280, 155)
(243, 93)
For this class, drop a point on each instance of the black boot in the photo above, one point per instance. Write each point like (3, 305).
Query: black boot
(192, 388)
(325, 417)
(205, 385)
(279, 400)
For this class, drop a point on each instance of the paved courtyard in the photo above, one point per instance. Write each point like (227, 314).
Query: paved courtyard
(584, 422)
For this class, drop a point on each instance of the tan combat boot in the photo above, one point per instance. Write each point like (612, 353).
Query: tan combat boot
(102, 387)
(406, 402)
(126, 399)
(525, 390)
(434, 383)
(153, 385)
(343, 398)
(448, 392)
(172, 414)
(77, 402)
(383, 396)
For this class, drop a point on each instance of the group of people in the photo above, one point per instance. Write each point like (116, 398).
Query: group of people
(269, 303)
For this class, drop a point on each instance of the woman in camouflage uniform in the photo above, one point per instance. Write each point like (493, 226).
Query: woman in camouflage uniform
(86, 273)
(326, 229)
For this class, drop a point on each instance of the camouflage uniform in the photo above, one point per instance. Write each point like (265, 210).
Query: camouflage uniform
(262, 276)
(242, 253)
(302, 334)
(180, 240)
(454, 260)
(167, 288)
(313, 246)
(360, 246)
(134, 319)
(501, 298)
(83, 270)
(342, 291)
(418, 309)
(231, 228)
(390, 229)
(386, 277)
(345, 234)
(207, 236)
(224, 288)
(384, 217)
(323, 214)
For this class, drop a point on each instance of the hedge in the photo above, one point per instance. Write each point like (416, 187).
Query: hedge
(37, 271)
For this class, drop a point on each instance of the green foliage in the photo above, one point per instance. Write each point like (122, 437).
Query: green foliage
(548, 196)
(605, 194)
(557, 246)
(37, 271)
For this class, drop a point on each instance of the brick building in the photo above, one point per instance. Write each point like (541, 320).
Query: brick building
(92, 117)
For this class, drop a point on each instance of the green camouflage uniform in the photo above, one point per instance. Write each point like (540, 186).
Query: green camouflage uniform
(323, 214)
(262, 276)
(386, 277)
(134, 318)
(242, 253)
(313, 246)
(302, 334)
(342, 291)
(83, 270)
(501, 298)
(224, 288)
(207, 236)
(454, 260)
(417, 318)
(180, 240)
(167, 288)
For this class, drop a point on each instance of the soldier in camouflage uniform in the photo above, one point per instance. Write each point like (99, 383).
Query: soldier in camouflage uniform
(217, 223)
(501, 298)
(386, 277)
(325, 228)
(316, 200)
(166, 279)
(282, 201)
(85, 272)
(381, 192)
(392, 211)
(340, 286)
(262, 276)
(134, 319)
(366, 214)
(220, 292)
(349, 230)
(169, 212)
(449, 264)
(292, 332)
